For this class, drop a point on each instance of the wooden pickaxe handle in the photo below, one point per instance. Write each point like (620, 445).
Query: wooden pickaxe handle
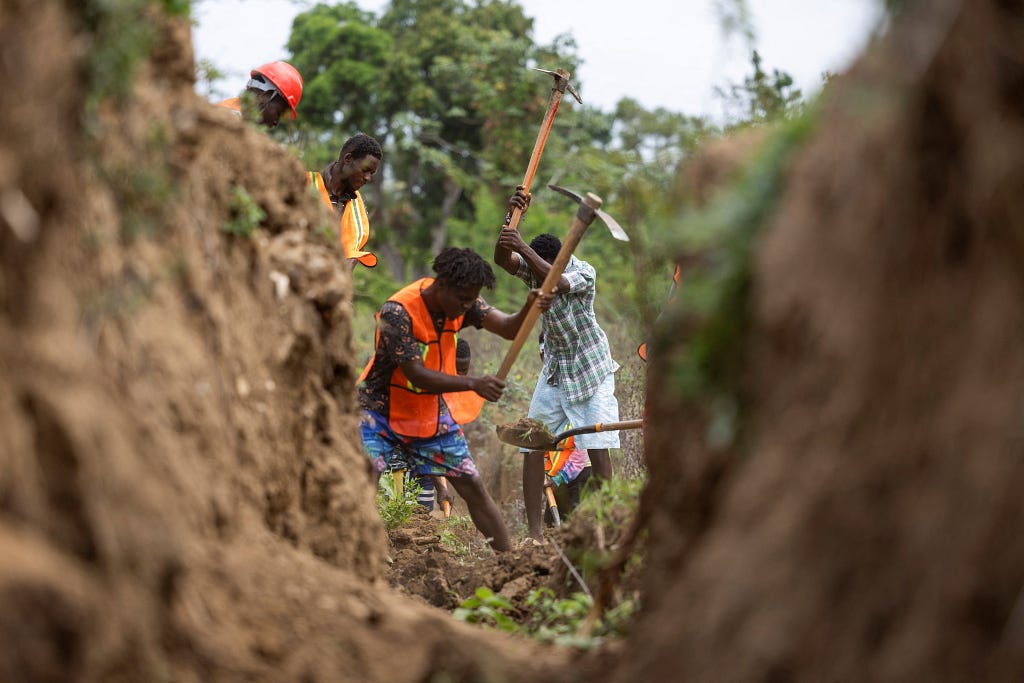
(557, 90)
(584, 217)
(446, 506)
(553, 505)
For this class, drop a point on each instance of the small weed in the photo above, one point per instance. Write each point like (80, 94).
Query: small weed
(607, 503)
(246, 214)
(456, 529)
(551, 619)
(396, 509)
(488, 609)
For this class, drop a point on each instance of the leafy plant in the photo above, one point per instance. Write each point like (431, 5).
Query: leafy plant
(615, 498)
(456, 529)
(489, 609)
(558, 620)
(550, 619)
(246, 214)
(396, 504)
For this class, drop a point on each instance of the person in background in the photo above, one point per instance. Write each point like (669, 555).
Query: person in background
(577, 380)
(567, 470)
(338, 187)
(272, 90)
(412, 398)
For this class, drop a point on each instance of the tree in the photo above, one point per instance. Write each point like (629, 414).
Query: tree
(445, 84)
(762, 96)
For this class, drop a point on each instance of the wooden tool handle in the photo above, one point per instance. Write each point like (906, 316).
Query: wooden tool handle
(600, 427)
(584, 217)
(538, 145)
(553, 505)
(446, 505)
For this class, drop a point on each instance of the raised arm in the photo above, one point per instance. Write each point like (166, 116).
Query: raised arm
(504, 256)
(513, 241)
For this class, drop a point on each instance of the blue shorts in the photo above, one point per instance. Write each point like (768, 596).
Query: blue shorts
(550, 406)
(446, 454)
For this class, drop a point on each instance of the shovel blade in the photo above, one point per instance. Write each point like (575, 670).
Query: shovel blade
(526, 433)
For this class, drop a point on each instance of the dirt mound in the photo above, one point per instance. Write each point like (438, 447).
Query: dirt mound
(866, 526)
(181, 496)
(445, 562)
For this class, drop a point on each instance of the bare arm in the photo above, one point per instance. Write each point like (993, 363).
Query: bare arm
(505, 325)
(432, 381)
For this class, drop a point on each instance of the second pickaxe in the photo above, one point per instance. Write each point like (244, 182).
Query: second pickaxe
(589, 207)
(561, 84)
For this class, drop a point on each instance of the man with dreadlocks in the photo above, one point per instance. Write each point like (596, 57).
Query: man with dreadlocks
(412, 398)
(577, 380)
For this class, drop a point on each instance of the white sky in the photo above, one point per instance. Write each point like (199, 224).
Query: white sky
(663, 53)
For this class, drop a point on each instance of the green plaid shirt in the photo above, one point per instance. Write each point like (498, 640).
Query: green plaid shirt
(576, 353)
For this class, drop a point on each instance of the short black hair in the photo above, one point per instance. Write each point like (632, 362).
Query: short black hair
(547, 246)
(462, 349)
(361, 145)
(463, 268)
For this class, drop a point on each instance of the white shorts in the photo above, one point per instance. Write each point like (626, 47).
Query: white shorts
(550, 406)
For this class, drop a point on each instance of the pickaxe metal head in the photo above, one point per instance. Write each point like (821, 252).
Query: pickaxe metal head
(613, 226)
(562, 82)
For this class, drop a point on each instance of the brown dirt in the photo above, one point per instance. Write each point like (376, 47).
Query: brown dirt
(443, 574)
(525, 432)
(868, 527)
(181, 498)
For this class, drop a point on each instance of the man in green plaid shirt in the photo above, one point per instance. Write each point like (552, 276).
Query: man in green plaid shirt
(577, 381)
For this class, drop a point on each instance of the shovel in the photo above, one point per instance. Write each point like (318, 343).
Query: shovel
(533, 434)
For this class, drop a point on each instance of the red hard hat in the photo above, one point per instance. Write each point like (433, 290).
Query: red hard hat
(285, 78)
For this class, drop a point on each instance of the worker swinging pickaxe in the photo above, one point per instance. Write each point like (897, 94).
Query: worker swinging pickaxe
(589, 207)
(510, 243)
(561, 84)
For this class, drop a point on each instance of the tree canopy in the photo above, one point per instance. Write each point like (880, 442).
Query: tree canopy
(448, 88)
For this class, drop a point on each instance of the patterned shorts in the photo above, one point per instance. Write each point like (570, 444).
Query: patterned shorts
(445, 454)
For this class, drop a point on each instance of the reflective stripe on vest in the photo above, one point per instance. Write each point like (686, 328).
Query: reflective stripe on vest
(555, 460)
(354, 222)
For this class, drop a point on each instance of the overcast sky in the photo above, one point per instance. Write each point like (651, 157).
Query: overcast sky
(663, 53)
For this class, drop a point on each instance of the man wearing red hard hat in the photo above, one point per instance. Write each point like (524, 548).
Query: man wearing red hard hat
(275, 87)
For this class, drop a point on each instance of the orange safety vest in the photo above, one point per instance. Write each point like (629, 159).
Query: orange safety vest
(555, 460)
(414, 412)
(355, 223)
(233, 103)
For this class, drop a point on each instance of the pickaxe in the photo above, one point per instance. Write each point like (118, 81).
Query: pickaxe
(562, 84)
(589, 207)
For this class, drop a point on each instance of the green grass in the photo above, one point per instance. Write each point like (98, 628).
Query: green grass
(456, 529)
(395, 510)
(549, 619)
(246, 214)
